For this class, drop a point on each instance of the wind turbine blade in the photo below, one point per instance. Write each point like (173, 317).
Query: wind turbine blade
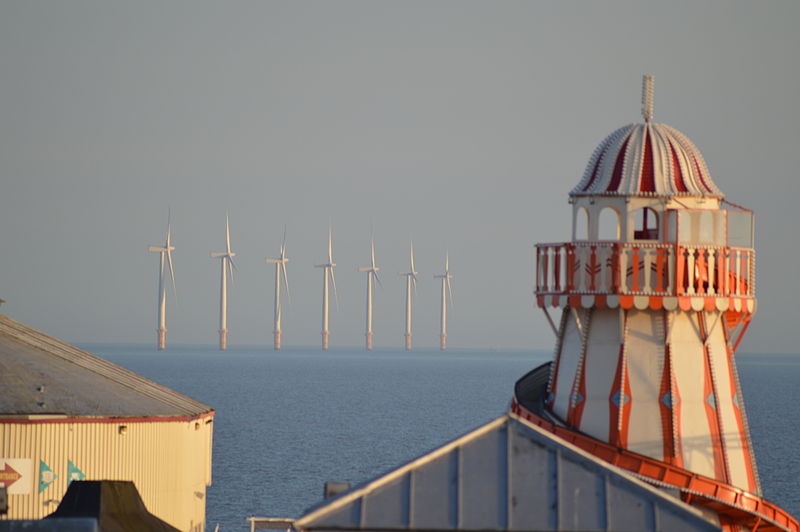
(446, 262)
(335, 294)
(372, 247)
(414, 282)
(231, 267)
(169, 227)
(172, 274)
(227, 233)
(450, 291)
(330, 246)
(378, 279)
(412, 257)
(286, 282)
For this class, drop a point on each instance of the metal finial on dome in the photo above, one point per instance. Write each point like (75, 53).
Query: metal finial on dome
(647, 97)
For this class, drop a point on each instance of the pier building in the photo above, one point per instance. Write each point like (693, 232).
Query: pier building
(67, 415)
(506, 475)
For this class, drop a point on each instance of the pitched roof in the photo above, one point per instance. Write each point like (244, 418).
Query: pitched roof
(507, 474)
(41, 375)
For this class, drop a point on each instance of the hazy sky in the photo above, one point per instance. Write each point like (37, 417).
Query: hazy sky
(462, 125)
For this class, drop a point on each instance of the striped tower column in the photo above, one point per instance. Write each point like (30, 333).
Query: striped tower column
(659, 383)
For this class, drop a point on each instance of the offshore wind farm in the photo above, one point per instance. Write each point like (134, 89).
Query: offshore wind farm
(282, 284)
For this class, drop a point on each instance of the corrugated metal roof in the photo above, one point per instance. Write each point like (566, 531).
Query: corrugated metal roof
(41, 375)
(506, 475)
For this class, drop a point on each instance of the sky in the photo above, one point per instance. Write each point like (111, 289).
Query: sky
(459, 124)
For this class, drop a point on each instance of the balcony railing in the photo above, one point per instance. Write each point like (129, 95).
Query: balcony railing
(644, 269)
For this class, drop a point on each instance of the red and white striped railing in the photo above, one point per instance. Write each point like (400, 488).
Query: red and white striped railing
(644, 269)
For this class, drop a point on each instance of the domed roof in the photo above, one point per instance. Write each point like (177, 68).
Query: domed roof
(647, 160)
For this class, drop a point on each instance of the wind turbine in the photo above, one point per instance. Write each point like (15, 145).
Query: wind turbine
(166, 259)
(327, 279)
(372, 276)
(447, 288)
(411, 278)
(226, 270)
(280, 271)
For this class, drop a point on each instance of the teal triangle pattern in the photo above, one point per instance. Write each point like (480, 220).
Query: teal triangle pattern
(620, 399)
(46, 476)
(711, 401)
(73, 473)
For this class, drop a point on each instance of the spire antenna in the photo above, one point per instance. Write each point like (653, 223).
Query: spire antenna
(647, 97)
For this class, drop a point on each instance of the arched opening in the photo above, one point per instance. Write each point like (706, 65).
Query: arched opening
(645, 224)
(608, 224)
(582, 224)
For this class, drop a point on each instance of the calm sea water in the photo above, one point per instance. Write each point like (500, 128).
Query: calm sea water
(289, 421)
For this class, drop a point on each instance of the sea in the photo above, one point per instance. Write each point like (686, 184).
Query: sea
(288, 421)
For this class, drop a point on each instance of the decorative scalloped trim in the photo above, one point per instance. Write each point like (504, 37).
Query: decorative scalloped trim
(643, 301)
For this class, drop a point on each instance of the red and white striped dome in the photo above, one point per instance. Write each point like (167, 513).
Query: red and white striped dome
(647, 160)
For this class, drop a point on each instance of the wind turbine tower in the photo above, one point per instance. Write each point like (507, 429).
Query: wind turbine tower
(372, 276)
(447, 288)
(226, 270)
(327, 280)
(411, 279)
(280, 272)
(166, 259)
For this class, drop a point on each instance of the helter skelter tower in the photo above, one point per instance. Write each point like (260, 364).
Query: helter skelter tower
(656, 290)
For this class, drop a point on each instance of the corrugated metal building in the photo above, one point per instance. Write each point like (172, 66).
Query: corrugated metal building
(66, 415)
(506, 475)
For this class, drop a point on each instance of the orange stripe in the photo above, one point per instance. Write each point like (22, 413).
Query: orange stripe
(743, 436)
(615, 412)
(619, 415)
(575, 411)
(626, 407)
(670, 423)
(712, 412)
